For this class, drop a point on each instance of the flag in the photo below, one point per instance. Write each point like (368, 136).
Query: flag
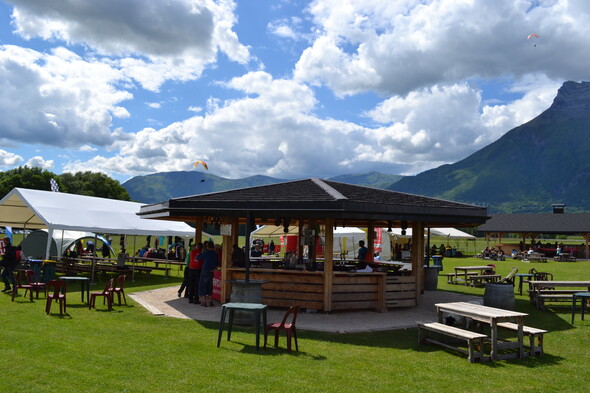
(54, 186)
(9, 233)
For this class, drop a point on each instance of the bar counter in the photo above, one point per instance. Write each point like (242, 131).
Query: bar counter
(345, 291)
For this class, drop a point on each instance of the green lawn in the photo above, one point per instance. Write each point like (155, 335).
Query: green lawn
(129, 350)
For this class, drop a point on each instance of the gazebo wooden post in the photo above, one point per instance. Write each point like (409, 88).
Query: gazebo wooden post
(370, 241)
(198, 229)
(487, 239)
(586, 236)
(418, 256)
(226, 250)
(328, 263)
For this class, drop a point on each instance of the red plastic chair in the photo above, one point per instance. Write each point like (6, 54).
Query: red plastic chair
(118, 288)
(58, 294)
(289, 328)
(19, 285)
(32, 281)
(106, 293)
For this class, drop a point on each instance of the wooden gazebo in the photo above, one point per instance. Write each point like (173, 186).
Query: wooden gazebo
(321, 205)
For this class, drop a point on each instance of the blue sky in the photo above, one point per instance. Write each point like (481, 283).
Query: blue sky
(288, 89)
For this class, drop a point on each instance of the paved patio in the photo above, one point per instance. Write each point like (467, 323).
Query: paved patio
(165, 302)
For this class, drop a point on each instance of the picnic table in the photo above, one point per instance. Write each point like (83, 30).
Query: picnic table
(492, 316)
(542, 291)
(467, 271)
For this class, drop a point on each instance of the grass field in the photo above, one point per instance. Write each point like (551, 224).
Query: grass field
(129, 350)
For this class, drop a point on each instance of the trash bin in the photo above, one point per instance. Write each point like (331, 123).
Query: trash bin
(36, 267)
(48, 271)
(430, 278)
(437, 261)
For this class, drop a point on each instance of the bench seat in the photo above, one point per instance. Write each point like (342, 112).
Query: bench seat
(452, 276)
(474, 340)
(534, 335)
(483, 278)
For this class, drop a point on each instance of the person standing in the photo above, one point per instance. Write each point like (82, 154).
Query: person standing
(362, 255)
(194, 274)
(8, 262)
(184, 285)
(210, 261)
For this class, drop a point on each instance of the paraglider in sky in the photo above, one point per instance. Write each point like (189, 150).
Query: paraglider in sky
(531, 36)
(202, 163)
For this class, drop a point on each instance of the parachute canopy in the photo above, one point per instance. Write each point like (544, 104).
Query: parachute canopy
(531, 36)
(202, 163)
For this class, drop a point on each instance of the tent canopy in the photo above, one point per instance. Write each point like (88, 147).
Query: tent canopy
(36, 209)
(277, 231)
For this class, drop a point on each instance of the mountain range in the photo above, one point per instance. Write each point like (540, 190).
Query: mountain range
(531, 167)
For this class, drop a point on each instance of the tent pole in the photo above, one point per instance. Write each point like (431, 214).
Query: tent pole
(133, 261)
(49, 239)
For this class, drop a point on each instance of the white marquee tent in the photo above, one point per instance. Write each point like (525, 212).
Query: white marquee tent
(36, 209)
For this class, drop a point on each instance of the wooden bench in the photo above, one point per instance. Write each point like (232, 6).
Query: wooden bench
(474, 340)
(534, 335)
(553, 296)
(483, 278)
(535, 257)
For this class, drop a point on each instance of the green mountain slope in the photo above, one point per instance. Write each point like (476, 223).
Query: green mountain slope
(539, 163)
(159, 187)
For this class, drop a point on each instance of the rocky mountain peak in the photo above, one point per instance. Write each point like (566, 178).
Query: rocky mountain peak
(573, 99)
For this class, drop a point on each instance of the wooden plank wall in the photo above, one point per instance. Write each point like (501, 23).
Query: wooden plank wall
(400, 291)
(285, 288)
(358, 291)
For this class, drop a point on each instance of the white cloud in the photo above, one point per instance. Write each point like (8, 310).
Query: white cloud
(396, 47)
(154, 105)
(150, 40)
(8, 159)
(39, 162)
(87, 148)
(57, 98)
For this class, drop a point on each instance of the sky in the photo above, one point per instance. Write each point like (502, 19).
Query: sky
(288, 89)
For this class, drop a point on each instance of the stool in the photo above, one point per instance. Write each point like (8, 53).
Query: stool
(259, 310)
(583, 296)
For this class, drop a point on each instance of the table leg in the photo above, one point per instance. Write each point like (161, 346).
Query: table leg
(221, 323)
(574, 300)
(583, 300)
(520, 285)
(494, 339)
(257, 312)
(230, 324)
(521, 338)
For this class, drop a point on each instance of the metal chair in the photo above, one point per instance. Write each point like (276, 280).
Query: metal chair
(289, 328)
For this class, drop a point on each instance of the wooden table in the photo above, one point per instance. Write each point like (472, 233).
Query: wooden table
(521, 277)
(491, 316)
(259, 311)
(467, 269)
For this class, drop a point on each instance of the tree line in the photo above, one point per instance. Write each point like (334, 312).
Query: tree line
(80, 183)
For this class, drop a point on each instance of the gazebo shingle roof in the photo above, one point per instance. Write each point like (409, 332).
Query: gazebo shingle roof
(319, 199)
(550, 223)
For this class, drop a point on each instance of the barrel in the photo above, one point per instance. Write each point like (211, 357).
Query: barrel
(430, 278)
(499, 296)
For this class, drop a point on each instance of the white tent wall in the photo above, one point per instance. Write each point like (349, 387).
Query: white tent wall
(36, 209)
(35, 243)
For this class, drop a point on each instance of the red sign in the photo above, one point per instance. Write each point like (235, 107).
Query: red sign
(216, 295)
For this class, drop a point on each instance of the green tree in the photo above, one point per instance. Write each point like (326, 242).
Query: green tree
(93, 184)
(25, 177)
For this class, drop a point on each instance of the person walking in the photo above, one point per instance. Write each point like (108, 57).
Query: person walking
(8, 263)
